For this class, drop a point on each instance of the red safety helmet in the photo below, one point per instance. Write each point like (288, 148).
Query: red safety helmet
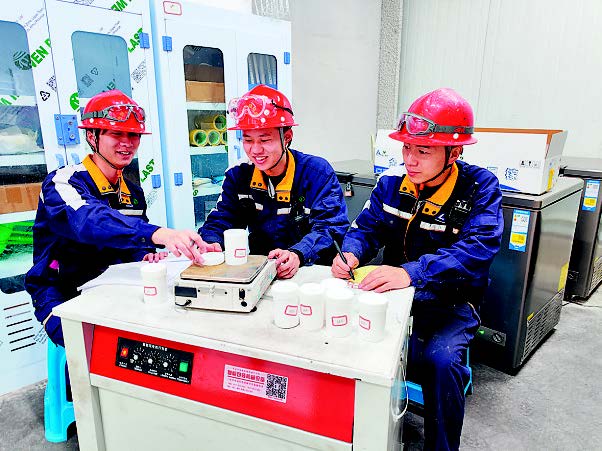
(439, 118)
(261, 107)
(113, 110)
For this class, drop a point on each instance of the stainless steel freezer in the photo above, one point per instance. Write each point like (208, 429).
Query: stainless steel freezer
(523, 302)
(585, 267)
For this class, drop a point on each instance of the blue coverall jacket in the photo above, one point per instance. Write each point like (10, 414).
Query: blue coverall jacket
(298, 214)
(83, 225)
(445, 250)
(445, 238)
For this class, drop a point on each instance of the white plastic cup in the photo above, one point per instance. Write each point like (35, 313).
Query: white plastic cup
(213, 258)
(333, 282)
(236, 243)
(372, 316)
(311, 306)
(339, 306)
(285, 295)
(154, 282)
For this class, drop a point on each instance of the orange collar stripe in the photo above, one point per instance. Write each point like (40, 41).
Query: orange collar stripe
(101, 181)
(283, 190)
(434, 203)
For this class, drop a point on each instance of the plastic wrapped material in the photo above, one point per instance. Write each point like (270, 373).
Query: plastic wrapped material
(211, 121)
(15, 236)
(16, 140)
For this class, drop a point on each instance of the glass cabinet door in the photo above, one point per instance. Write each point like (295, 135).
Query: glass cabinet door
(266, 54)
(196, 78)
(262, 70)
(102, 70)
(22, 159)
(28, 150)
(207, 128)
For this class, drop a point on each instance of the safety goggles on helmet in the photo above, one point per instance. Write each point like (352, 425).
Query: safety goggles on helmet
(419, 125)
(118, 113)
(254, 106)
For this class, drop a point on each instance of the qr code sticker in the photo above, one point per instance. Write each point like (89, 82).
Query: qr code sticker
(140, 72)
(276, 387)
(52, 83)
(511, 174)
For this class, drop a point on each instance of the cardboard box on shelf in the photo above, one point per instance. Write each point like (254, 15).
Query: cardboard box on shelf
(199, 91)
(24, 197)
(203, 72)
(524, 160)
(387, 151)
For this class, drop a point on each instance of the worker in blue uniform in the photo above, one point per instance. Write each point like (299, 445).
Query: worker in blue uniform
(291, 202)
(439, 222)
(89, 216)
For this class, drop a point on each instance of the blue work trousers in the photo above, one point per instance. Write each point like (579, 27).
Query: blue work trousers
(437, 360)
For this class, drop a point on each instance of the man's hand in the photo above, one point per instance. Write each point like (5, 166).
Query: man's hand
(340, 269)
(180, 242)
(287, 263)
(213, 247)
(386, 278)
(155, 257)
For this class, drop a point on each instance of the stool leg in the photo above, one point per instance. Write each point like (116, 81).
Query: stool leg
(52, 395)
(469, 387)
(67, 412)
(58, 412)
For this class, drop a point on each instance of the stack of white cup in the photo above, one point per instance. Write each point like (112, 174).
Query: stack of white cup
(154, 282)
(285, 304)
(339, 307)
(332, 301)
(236, 244)
(311, 306)
(372, 316)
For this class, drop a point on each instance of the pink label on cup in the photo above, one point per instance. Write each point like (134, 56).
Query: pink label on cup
(338, 321)
(150, 291)
(364, 323)
(240, 253)
(291, 310)
(306, 310)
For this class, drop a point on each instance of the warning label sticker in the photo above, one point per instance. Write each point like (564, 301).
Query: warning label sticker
(255, 383)
(519, 230)
(590, 197)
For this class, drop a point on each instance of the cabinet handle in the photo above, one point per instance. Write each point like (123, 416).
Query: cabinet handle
(60, 160)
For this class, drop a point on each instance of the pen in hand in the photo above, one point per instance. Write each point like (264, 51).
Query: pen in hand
(336, 245)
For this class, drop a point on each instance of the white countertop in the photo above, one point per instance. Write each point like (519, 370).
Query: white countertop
(251, 334)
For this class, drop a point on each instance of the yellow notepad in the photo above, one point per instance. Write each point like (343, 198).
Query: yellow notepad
(360, 273)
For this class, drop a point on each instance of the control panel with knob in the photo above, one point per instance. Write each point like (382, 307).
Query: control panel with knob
(155, 360)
